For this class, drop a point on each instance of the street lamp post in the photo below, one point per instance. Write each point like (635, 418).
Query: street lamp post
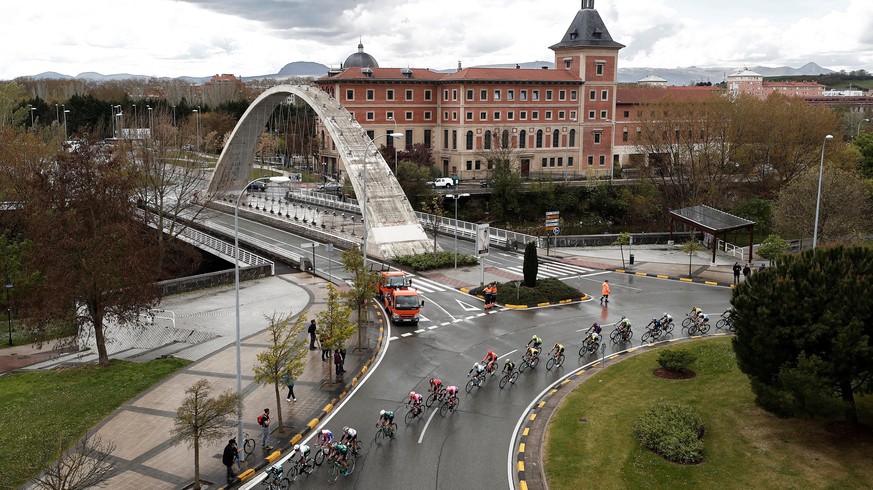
(372, 143)
(9, 307)
(32, 110)
(239, 433)
(135, 116)
(862, 121)
(150, 120)
(197, 111)
(456, 197)
(392, 143)
(66, 111)
(818, 197)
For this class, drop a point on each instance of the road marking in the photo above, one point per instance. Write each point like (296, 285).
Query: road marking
(438, 306)
(508, 353)
(467, 307)
(406, 334)
(443, 324)
(393, 338)
(433, 327)
(421, 437)
(420, 330)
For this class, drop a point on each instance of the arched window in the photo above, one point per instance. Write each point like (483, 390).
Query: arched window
(504, 141)
(556, 137)
(572, 138)
(522, 139)
(469, 140)
(539, 138)
(487, 140)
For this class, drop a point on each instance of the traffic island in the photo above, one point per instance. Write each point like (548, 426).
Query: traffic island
(515, 295)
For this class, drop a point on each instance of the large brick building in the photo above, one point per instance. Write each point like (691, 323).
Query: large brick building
(559, 121)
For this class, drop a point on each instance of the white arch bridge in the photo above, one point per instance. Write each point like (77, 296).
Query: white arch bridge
(392, 226)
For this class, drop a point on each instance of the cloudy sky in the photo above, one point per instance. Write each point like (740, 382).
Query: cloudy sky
(258, 37)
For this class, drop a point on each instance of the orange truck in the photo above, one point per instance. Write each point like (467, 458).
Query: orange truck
(401, 300)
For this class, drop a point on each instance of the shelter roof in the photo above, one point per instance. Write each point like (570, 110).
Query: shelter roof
(710, 219)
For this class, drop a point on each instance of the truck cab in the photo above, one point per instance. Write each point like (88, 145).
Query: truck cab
(401, 300)
(390, 281)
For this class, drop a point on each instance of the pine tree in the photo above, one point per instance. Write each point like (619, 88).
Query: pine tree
(531, 265)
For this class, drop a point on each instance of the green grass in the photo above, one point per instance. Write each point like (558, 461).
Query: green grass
(744, 446)
(42, 406)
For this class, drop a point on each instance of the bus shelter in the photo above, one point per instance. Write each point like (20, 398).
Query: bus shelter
(716, 223)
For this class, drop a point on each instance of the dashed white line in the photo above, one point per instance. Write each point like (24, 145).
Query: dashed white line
(445, 323)
(408, 334)
(419, 330)
(433, 327)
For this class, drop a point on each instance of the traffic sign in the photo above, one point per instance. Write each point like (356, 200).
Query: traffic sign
(557, 231)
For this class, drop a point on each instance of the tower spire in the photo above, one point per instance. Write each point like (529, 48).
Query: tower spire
(587, 4)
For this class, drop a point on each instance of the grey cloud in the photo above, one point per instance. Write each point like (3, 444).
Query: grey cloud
(644, 41)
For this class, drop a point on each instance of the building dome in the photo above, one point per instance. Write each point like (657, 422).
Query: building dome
(360, 59)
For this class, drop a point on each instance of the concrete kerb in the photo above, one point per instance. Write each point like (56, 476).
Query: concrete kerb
(676, 278)
(539, 413)
(524, 307)
(310, 426)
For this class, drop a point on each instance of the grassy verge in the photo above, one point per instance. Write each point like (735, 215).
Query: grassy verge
(744, 446)
(40, 407)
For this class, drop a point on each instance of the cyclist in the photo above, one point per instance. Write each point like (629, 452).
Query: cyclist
(595, 331)
(702, 318)
(451, 394)
(436, 385)
(477, 368)
(350, 436)
(415, 400)
(556, 351)
(326, 437)
(532, 352)
(695, 312)
(509, 367)
(623, 325)
(386, 418)
(489, 360)
(303, 450)
(275, 471)
(340, 456)
(666, 319)
(535, 342)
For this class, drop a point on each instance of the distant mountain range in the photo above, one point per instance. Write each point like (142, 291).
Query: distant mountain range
(674, 76)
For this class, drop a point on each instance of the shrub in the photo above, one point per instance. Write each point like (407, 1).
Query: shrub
(546, 291)
(676, 360)
(429, 261)
(672, 430)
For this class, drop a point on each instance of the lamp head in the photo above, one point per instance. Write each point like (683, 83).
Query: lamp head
(829, 137)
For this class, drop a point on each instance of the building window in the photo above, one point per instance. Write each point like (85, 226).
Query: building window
(569, 161)
(545, 162)
(624, 135)
(371, 116)
(510, 115)
(573, 115)
(510, 95)
(371, 134)
(483, 116)
(590, 160)
(597, 137)
(446, 94)
(535, 95)
(573, 95)
(487, 144)
(478, 165)
(560, 161)
(562, 95)
(427, 95)
(408, 137)
(599, 69)
(469, 115)
(371, 94)
(604, 115)
(548, 115)
(427, 115)
(562, 115)
(489, 164)
(454, 139)
(548, 95)
(626, 114)
(523, 95)
(572, 143)
(552, 161)
(445, 139)
(535, 115)
(389, 142)
(409, 95)
(483, 95)
(350, 94)
(408, 115)
(389, 94)
(389, 115)
(469, 95)
(446, 116)
(522, 115)
(556, 138)
(497, 95)
(469, 140)
(539, 138)
(591, 114)
(568, 63)
(602, 160)
(592, 95)
(427, 138)
(496, 115)
(504, 139)
(469, 164)
(604, 95)
(454, 115)
(454, 94)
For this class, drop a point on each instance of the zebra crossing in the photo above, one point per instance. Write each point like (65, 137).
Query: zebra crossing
(427, 285)
(553, 270)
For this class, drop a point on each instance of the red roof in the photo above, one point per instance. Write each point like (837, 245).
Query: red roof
(513, 75)
(649, 95)
(356, 73)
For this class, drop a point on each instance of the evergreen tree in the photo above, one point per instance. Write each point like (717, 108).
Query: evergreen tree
(804, 331)
(531, 265)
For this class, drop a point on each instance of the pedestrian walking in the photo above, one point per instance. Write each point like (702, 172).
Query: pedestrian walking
(325, 352)
(311, 331)
(747, 271)
(343, 360)
(604, 290)
(289, 382)
(337, 361)
(228, 457)
(264, 422)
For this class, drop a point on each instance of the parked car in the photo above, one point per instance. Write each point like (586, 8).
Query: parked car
(486, 183)
(444, 182)
(257, 186)
(329, 187)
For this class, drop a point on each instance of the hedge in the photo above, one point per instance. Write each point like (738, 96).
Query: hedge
(429, 261)
(546, 291)
(672, 430)
(676, 360)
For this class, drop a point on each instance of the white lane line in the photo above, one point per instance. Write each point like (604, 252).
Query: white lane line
(459, 320)
(443, 324)
(421, 437)
(433, 327)
(393, 338)
(438, 306)
(480, 314)
(408, 334)
(508, 353)
(420, 330)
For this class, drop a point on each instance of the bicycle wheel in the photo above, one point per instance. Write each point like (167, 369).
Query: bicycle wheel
(704, 329)
(319, 456)
(409, 416)
(522, 366)
(550, 363)
(719, 325)
(668, 327)
(284, 483)
(432, 398)
(629, 335)
(613, 335)
(333, 473)
(351, 462)
(249, 446)
(692, 330)
(560, 361)
(393, 431)
(444, 408)
(646, 337)
(595, 346)
(514, 377)
(469, 386)
(583, 350)
(292, 473)
(308, 467)
(504, 380)
(731, 327)
(536, 360)
(380, 434)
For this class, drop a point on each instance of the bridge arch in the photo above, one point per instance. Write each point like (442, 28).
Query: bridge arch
(393, 228)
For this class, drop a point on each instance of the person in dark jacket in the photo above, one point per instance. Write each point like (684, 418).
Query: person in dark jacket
(228, 457)
(311, 331)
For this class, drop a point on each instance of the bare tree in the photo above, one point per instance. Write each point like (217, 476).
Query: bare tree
(285, 355)
(363, 286)
(88, 464)
(202, 419)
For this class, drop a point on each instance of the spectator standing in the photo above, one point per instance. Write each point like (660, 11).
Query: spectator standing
(228, 457)
(338, 361)
(737, 270)
(343, 360)
(289, 382)
(747, 271)
(311, 331)
(604, 289)
(264, 422)
(325, 352)
(763, 266)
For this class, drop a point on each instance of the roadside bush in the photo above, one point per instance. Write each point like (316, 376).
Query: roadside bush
(429, 261)
(676, 360)
(672, 430)
(546, 291)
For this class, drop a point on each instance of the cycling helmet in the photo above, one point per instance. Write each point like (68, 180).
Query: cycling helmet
(346, 428)
(297, 447)
(594, 325)
(411, 394)
(705, 317)
(381, 412)
(665, 314)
